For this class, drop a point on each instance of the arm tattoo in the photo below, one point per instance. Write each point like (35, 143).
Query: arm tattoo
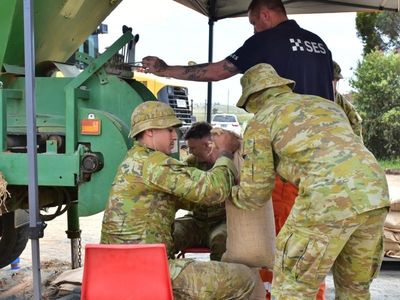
(195, 72)
(160, 65)
(230, 67)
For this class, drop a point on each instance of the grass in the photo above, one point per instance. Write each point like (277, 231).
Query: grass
(392, 164)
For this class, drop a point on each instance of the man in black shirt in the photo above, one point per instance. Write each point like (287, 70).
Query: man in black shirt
(295, 53)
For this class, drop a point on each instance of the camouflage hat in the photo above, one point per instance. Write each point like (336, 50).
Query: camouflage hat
(258, 78)
(337, 71)
(152, 115)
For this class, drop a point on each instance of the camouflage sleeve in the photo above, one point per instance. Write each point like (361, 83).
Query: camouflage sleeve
(351, 113)
(257, 175)
(177, 178)
(191, 160)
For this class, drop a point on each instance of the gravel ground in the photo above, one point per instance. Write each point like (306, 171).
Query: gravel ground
(55, 258)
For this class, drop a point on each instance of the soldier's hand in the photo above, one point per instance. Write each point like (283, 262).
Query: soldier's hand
(224, 142)
(155, 65)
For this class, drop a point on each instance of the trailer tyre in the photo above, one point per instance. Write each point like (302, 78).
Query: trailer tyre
(12, 240)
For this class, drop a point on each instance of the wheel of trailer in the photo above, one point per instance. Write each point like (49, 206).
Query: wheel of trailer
(12, 240)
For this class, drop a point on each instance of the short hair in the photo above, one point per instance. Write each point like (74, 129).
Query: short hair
(198, 130)
(337, 71)
(275, 5)
(139, 136)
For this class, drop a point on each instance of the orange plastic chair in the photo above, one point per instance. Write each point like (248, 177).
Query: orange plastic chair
(126, 272)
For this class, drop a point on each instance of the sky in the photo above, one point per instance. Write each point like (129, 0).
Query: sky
(178, 35)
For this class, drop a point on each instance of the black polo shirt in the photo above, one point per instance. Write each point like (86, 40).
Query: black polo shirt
(295, 53)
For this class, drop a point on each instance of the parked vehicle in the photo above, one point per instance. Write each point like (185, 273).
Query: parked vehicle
(227, 121)
(171, 92)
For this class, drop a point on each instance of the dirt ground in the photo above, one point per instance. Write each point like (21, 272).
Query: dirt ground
(55, 258)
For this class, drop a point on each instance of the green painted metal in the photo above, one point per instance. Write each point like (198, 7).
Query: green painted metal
(50, 104)
(51, 147)
(62, 103)
(73, 220)
(61, 26)
(72, 89)
(113, 144)
(112, 102)
(65, 155)
(53, 169)
(97, 63)
(118, 97)
(5, 97)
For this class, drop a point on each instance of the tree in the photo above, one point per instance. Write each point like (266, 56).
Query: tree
(377, 81)
(378, 31)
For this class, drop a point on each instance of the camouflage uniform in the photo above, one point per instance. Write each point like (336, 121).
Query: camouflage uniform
(351, 113)
(204, 226)
(337, 219)
(142, 206)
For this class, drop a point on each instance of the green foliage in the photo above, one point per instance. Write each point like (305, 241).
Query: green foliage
(365, 25)
(391, 164)
(378, 31)
(377, 81)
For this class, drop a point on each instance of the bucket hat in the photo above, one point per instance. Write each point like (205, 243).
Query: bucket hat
(258, 78)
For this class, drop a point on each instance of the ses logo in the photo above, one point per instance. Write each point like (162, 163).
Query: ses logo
(299, 45)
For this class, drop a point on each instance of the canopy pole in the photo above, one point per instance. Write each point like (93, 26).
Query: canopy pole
(35, 225)
(210, 60)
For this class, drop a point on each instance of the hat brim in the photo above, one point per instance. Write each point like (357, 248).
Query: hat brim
(245, 96)
(161, 123)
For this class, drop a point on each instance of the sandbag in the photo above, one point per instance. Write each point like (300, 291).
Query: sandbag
(391, 243)
(259, 292)
(391, 231)
(392, 221)
(395, 205)
(66, 286)
(251, 236)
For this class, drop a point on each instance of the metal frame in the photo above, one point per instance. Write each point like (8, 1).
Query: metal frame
(35, 225)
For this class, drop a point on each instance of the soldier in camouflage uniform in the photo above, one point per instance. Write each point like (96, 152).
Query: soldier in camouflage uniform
(353, 116)
(337, 219)
(144, 196)
(204, 226)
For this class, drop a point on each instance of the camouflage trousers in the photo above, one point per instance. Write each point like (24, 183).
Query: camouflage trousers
(213, 280)
(352, 249)
(191, 232)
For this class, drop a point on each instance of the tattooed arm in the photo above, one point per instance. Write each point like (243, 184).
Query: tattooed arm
(202, 72)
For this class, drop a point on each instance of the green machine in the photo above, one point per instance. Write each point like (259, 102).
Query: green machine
(82, 118)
